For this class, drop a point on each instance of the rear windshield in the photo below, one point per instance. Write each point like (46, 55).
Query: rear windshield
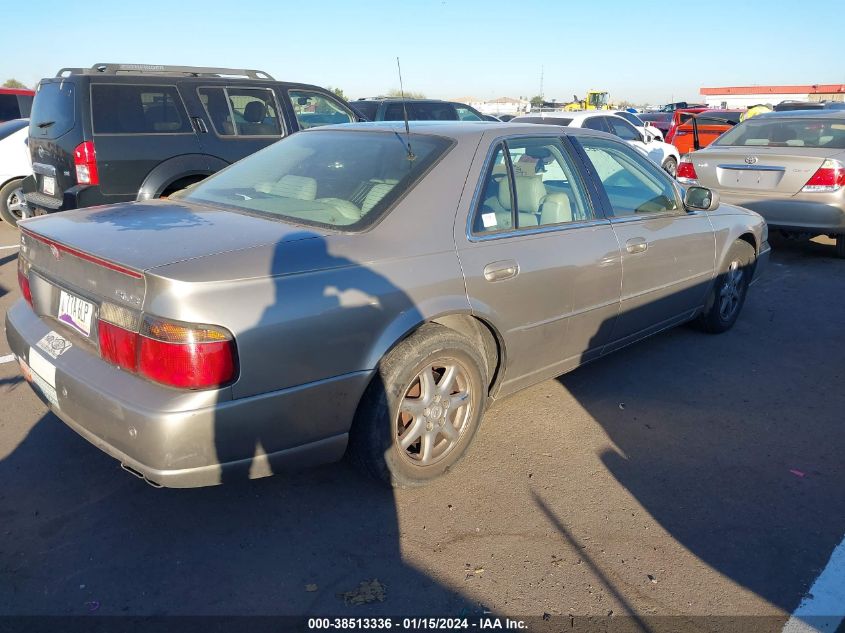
(10, 127)
(326, 178)
(54, 110)
(9, 108)
(630, 118)
(547, 120)
(778, 132)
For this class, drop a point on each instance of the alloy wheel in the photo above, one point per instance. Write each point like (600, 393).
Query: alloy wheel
(731, 293)
(434, 413)
(16, 204)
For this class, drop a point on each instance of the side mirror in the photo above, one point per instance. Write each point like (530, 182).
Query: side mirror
(701, 199)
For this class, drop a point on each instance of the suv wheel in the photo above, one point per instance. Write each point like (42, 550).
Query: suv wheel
(12, 202)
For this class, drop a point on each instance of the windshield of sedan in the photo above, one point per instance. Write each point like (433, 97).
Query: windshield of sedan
(328, 178)
(784, 132)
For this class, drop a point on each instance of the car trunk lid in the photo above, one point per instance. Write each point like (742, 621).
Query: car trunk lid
(758, 169)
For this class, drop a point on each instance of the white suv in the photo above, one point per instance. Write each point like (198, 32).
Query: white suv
(14, 167)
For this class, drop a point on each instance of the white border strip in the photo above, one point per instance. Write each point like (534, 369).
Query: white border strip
(5, 248)
(824, 607)
(8, 358)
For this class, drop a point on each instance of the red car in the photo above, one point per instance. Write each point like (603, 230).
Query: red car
(679, 117)
(703, 128)
(15, 103)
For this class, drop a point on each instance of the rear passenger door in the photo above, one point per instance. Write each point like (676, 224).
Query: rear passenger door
(236, 121)
(539, 263)
(136, 127)
(668, 253)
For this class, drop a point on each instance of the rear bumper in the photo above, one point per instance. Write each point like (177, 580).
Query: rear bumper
(821, 214)
(185, 439)
(77, 197)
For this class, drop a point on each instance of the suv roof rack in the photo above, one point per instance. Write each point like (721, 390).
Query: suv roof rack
(157, 69)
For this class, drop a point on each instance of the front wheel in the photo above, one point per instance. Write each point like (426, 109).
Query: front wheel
(728, 295)
(422, 408)
(12, 202)
(670, 166)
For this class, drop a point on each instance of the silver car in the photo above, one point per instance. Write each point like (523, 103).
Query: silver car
(366, 289)
(787, 166)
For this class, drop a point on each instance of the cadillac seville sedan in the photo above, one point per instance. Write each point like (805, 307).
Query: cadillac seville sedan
(364, 288)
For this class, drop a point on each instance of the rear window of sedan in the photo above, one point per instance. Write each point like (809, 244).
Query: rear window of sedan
(329, 178)
(784, 132)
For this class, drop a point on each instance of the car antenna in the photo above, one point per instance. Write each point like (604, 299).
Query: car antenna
(405, 111)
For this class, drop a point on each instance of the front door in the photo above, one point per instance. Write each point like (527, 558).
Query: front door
(539, 263)
(668, 253)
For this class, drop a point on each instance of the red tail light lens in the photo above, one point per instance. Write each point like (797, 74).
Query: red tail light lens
(118, 346)
(175, 354)
(686, 172)
(829, 177)
(186, 356)
(23, 281)
(85, 161)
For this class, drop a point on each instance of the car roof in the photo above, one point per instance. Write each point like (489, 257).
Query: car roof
(815, 114)
(458, 129)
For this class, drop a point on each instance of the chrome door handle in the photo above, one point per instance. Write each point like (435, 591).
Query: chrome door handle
(636, 245)
(497, 271)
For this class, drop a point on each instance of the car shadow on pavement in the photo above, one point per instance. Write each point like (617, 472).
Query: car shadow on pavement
(741, 460)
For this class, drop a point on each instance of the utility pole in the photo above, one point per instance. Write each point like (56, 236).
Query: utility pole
(541, 81)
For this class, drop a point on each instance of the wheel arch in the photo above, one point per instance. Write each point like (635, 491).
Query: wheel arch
(175, 169)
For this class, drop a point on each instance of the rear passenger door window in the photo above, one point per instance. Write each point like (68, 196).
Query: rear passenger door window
(242, 111)
(530, 182)
(128, 109)
(313, 109)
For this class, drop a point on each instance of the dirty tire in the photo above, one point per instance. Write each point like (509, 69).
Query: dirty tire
(384, 419)
(670, 166)
(728, 295)
(840, 246)
(9, 194)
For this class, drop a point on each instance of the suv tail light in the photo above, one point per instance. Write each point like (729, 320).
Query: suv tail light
(686, 172)
(85, 161)
(829, 177)
(179, 355)
(23, 280)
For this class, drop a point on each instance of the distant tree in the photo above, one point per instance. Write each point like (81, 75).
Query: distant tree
(339, 92)
(408, 94)
(13, 83)
(537, 101)
(624, 105)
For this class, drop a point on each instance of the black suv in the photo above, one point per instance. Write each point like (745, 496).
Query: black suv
(121, 132)
(394, 108)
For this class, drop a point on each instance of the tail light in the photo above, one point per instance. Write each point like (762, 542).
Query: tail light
(85, 161)
(23, 280)
(686, 172)
(175, 354)
(829, 177)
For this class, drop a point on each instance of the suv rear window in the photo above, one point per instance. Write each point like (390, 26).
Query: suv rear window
(54, 110)
(125, 109)
(329, 178)
(241, 111)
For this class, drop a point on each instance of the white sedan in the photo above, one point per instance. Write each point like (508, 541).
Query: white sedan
(14, 167)
(664, 154)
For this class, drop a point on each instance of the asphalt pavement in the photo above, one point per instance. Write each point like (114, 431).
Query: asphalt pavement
(687, 475)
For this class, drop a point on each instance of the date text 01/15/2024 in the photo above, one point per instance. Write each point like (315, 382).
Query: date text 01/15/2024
(416, 624)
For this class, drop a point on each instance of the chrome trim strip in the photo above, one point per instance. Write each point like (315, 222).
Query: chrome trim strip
(549, 228)
(44, 170)
(752, 167)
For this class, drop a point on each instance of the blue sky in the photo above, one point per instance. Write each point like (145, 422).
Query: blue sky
(639, 51)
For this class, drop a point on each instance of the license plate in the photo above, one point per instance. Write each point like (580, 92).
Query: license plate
(48, 185)
(75, 312)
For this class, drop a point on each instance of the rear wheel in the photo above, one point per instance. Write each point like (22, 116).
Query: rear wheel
(12, 202)
(670, 166)
(840, 246)
(422, 409)
(728, 295)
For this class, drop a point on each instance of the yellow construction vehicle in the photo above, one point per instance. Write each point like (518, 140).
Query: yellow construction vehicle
(595, 100)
